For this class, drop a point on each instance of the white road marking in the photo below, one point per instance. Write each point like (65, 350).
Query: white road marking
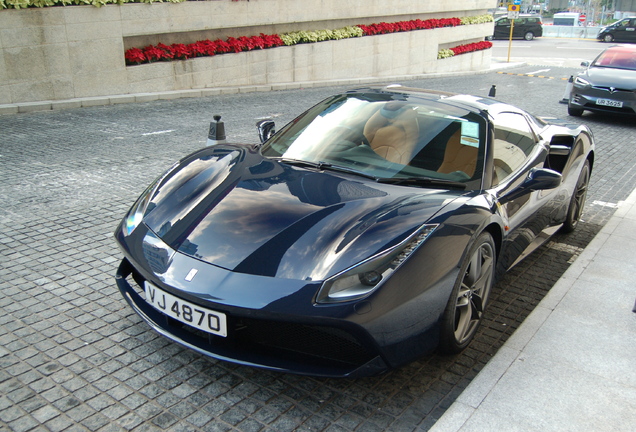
(158, 132)
(536, 72)
(607, 204)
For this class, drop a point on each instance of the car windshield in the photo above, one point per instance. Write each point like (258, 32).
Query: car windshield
(617, 57)
(387, 137)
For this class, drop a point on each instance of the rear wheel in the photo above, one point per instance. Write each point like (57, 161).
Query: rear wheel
(608, 38)
(578, 200)
(528, 36)
(467, 302)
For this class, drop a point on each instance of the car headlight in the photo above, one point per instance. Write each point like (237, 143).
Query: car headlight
(367, 276)
(136, 214)
(581, 82)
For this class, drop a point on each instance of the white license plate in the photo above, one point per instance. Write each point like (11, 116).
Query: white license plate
(194, 315)
(609, 102)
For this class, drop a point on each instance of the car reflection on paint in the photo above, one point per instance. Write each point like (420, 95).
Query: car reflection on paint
(365, 233)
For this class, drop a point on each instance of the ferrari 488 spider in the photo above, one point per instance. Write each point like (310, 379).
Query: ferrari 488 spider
(365, 233)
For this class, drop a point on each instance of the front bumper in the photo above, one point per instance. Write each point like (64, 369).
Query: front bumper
(588, 98)
(332, 348)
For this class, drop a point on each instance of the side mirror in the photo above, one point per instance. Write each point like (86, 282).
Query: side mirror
(538, 179)
(585, 64)
(266, 129)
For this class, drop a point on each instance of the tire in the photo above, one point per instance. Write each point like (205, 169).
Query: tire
(608, 38)
(575, 111)
(577, 203)
(528, 36)
(469, 297)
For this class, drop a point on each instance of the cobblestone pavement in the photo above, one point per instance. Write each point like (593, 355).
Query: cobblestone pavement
(73, 355)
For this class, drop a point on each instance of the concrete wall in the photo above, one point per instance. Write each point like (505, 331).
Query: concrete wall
(63, 53)
(570, 31)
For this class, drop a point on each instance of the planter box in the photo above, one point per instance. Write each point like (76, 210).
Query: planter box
(54, 54)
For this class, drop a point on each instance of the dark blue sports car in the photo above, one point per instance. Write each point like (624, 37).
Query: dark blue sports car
(365, 233)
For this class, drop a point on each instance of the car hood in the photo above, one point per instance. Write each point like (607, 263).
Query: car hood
(611, 77)
(231, 207)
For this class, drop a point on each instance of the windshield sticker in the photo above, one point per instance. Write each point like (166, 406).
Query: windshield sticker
(470, 134)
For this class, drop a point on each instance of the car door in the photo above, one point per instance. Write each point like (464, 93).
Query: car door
(623, 32)
(502, 28)
(516, 150)
(519, 28)
(630, 30)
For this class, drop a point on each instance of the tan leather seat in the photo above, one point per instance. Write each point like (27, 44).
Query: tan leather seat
(393, 138)
(458, 157)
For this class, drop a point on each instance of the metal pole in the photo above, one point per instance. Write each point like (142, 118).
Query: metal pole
(512, 26)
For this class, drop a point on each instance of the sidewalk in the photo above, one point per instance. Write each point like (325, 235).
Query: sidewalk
(571, 366)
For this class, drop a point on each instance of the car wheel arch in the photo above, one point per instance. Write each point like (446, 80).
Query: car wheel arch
(496, 231)
(495, 228)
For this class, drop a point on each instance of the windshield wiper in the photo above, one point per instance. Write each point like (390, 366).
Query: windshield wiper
(304, 163)
(422, 181)
(325, 166)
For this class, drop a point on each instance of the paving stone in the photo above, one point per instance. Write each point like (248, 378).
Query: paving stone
(73, 356)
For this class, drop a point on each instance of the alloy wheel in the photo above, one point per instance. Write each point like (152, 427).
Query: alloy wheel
(473, 292)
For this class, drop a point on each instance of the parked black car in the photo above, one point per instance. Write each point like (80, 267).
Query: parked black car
(526, 27)
(620, 31)
(365, 233)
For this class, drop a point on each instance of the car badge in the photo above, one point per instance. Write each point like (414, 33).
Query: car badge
(191, 274)
(612, 90)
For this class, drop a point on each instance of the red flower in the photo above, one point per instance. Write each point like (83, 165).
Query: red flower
(262, 41)
(270, 41)
(222, 46)
(476, 46)
(383, 27)
(134, 56)
(182, 51)
(153, 53)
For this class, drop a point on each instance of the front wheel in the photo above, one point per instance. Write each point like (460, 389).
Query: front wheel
(469, 298)
(575, 210)
(608, 38)
(528, 36)
(575, 111)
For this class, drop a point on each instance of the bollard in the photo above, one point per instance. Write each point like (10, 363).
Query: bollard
(493, 91)
(568, 89)
(217, 132)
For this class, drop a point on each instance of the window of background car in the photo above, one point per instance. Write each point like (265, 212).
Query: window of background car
(514, 142)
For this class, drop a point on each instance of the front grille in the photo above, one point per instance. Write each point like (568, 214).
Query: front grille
(328, 343)
(313, 344)
(300, 342)
(612, 89)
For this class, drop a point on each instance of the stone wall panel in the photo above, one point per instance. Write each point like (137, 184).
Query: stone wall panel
(78, 51)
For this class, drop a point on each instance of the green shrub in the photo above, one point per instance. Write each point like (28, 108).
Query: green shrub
(445, 53)
(478, 19)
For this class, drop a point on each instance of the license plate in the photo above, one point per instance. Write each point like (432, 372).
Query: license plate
(609, 102)
(188, 313)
